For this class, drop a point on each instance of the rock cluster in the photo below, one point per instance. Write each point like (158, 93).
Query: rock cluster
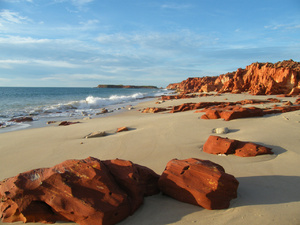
(231, 110)
(257, 79)
(105, 192)
(218, 145)
(86, 191)
(198, 182)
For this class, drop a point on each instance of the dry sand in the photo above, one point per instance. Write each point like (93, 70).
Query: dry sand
(269, 191)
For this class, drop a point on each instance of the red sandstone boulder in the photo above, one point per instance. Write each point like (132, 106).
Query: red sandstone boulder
(248, 149)
(198, 182)
(86, 191)
(218, 145)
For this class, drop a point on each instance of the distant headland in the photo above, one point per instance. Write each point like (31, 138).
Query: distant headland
(124, 86)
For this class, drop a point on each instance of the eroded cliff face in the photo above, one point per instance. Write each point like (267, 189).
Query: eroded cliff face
(257, 79)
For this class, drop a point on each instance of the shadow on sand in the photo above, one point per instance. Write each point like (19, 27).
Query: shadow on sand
(266, 190)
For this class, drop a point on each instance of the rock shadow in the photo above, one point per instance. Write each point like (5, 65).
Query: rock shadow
(267, 190)
(276, 149)
(233, 130)
(161, 210)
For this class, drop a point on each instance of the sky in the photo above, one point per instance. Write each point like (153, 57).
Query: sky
(83, 43)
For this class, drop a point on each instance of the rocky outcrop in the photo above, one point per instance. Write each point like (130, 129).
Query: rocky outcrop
(86, 191)
(218, 145)
(257, 79)
(198, 182)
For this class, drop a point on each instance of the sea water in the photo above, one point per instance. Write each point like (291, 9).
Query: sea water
(57, 103)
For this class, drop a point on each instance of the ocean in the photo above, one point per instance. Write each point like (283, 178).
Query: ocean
(57, 103)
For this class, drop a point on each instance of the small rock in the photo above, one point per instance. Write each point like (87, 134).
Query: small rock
(50, 122)
(96, 134)
(104, 110)
(87, 118)
(122, 129)
(221, 130)
(66, 123)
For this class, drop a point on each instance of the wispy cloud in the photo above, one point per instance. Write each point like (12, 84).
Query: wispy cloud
(7, 16)
(283, 26)
(50, 63)
(10, 39)
(175, 6)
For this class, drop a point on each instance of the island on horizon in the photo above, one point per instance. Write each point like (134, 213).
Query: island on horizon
(125, 86)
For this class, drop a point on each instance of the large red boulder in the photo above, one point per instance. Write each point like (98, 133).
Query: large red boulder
(218, 145)
(86, 191)
(198, 182)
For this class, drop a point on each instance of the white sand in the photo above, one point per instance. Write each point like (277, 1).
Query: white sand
(269, 191)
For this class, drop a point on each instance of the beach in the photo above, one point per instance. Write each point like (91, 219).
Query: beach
(269, 186)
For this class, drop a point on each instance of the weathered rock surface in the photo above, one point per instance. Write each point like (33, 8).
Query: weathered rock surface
(218, 145)
(198, 182)
(231, 112)
(257, 79)
(22, 119)
(86, 191)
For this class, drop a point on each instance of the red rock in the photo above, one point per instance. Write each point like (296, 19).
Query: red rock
(66, 123)
(257, 79)
(180, 96)
(153, 110)
(248, 149)
(122, 129)
(218, 145)
(22, 119)
(198, 182)
(288, 103)
(138, 181)
(86, 191)
(297, 102)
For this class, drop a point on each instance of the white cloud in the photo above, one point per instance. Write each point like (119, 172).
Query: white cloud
(7, 16)
(21, 40)
(77, 77)
(283, 26)
(51, 63)
(175, 6)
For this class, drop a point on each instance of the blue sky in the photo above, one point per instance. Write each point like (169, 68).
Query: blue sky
(83, 43)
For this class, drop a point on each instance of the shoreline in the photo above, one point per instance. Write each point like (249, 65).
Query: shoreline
(269, 184)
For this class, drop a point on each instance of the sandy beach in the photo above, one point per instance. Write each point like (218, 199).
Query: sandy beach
(269, 185)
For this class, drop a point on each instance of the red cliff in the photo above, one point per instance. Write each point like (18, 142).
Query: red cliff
(257, 79)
